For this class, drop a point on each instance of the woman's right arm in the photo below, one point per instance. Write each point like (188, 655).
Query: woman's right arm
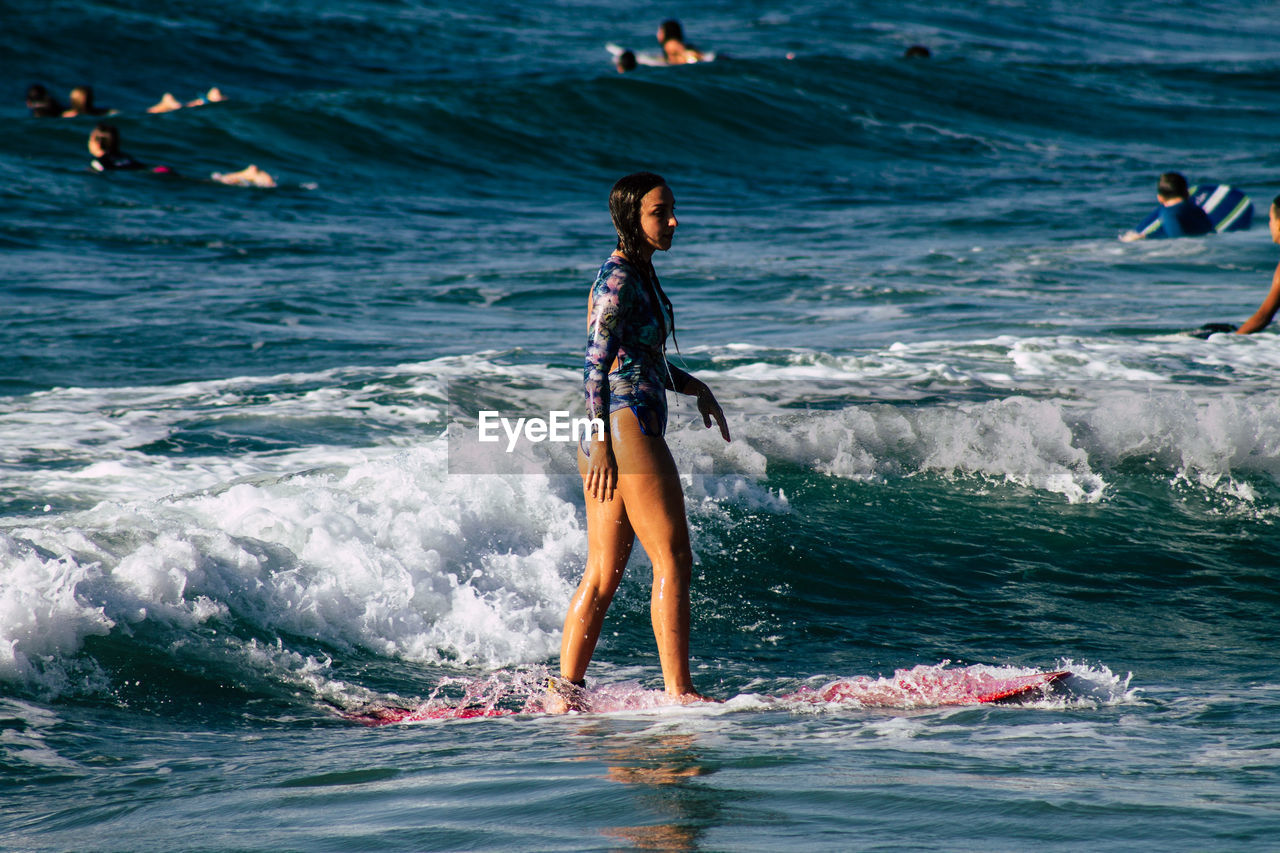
(603, 343)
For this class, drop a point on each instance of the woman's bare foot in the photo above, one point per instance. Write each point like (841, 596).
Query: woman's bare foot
(692, 696)
(564, 696)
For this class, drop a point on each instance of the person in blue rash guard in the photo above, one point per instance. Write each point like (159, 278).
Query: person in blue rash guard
(630, 483)
(1179, 215)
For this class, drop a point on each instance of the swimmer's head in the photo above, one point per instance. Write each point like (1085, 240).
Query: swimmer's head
(670, 29)
(917, 51)
(104, 140)
(82, 98)
(626, 61)
(1172, 187)
(37, 94)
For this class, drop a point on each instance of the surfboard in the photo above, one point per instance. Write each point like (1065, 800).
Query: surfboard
(1210, 329)
(643, 57)
(654, 58)
(1228, 208)
(919, 687)
(923, 687)
(1024, 685)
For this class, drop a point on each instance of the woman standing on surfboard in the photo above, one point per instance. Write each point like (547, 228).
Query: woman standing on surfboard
(629, 478)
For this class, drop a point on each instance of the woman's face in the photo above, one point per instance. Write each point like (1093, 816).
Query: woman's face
(658, 217)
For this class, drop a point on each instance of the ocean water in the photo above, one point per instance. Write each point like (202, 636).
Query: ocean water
(969, 434)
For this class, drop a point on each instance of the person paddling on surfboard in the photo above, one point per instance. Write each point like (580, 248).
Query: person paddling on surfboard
(629, 479)
(104, 145)
(671, 37)
(1179, 215)
(1267, 310)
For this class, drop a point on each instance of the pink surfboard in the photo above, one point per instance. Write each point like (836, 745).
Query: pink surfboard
(919, 687)
(930, 686)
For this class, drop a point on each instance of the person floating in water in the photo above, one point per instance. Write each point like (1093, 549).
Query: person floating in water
(629, 479)
(1179, 215)
(82, 104)
(1267, 310)
(671, 37)
(41, 103)
(625, 61)
(169, 103)
(104, 145)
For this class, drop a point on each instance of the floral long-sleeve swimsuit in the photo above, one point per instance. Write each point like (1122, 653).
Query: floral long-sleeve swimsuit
(625, 330)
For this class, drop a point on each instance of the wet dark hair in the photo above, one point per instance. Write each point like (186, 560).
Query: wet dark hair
(626, 61)
(624, 209)
(36, 92)
(1172, 185)
(671, 29)
(917, 51)
(108, 135)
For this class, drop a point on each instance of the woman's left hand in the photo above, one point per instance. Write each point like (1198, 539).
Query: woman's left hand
(709, 409)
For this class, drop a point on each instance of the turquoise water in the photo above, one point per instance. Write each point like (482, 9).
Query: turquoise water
(967, 430)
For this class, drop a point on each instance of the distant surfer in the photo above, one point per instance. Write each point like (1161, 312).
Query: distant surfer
(1267, 310)
(41, 103)
(82, 104)
(104, 145)
(629, 479)
(168, 103)
(1179, 215)
(625, 61)
(671, 37)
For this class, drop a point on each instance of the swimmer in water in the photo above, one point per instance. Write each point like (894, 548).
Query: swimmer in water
(104, 145)
(625, 62)
(1179, 215)
(169, 103)
(671, 37)
(41, 103)
(629, 480)
(82, 104)
(1267, 310)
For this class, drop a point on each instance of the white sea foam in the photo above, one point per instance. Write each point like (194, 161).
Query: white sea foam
(390, 555)
(374, 546)
(352, 530)
(1247, 361)
(1056, 414)
(1069, 447)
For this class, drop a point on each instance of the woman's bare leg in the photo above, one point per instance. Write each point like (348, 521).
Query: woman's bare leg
(609, 542)
(649, 488)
